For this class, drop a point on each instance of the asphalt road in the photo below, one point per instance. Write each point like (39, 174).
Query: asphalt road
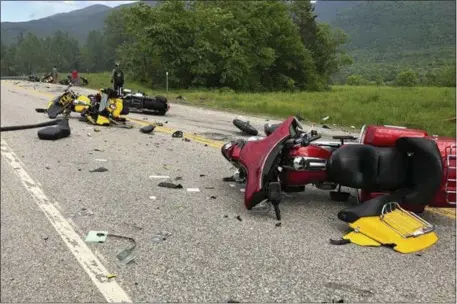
(209, 255)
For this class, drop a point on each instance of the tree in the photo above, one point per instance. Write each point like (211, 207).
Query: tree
(355, 80)
(407, 78)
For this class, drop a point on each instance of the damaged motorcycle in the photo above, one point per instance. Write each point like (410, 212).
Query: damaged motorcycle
(396, 171)
(104, 108)
(65, 103)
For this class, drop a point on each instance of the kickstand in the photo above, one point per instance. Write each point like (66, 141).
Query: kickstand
(277, 211)
(274, 195)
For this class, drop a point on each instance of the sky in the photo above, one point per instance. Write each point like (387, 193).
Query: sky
(17, 11)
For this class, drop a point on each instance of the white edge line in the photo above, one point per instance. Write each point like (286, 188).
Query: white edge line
(109, 288)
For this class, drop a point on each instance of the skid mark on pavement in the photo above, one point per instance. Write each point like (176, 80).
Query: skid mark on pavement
(447, 212)
(109, 288)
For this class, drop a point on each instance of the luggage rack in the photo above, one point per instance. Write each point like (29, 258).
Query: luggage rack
(450, 155)
(406, 224)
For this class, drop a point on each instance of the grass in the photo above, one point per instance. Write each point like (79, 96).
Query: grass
(418, 107)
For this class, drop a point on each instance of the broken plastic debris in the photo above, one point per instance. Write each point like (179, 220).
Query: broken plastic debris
(232, 185)
(161, 236)
(125, 256)
(170, 185)
(193, 190)
(101, 169)
(229, 179)
(325, 118)
(147, 129)
(85, 211)
(152, 197)
(159, 176)
(177, 134)
(96, 236)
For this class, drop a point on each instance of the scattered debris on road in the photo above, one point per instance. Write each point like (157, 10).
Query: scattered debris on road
(84, 212)
(159, 176)
(170, 185)
(193, 190)
(152, 197)
(147, 129)
(161, 236)
(110, 276)
(177, 134)
(98, 150)
(125, 256)
(278, 224)
(101, 160)
(100, 169)
(239, 218)
(96, 236)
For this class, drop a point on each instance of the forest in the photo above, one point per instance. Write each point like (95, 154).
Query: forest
(252, 46)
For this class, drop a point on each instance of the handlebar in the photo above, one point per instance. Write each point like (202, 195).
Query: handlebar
(304, 140)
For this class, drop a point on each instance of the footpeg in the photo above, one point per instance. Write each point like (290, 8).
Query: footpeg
(274, 195)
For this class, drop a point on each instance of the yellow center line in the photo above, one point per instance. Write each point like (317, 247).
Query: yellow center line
(447, 212)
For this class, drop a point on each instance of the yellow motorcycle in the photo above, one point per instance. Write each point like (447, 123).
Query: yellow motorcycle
(65, 103)
(106, 109)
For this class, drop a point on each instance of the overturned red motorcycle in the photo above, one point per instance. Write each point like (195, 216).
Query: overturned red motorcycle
(391, 167)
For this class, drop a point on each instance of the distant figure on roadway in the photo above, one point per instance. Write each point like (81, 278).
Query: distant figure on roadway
(74, 77)
(117, 78)
(54, 74)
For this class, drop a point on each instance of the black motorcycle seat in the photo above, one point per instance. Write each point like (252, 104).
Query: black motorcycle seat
(412, 171)
(368, 167)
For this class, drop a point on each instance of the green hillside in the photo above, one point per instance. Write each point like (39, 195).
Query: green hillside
(388, 36)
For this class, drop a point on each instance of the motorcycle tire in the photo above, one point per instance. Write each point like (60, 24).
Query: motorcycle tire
(245, 127)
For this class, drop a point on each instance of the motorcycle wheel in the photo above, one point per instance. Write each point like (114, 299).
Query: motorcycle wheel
(245, 127)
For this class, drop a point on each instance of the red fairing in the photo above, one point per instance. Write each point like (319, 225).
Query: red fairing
(298, 178)
(253, 158)
(385, 136)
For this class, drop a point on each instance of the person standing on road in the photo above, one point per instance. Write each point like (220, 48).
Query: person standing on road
(54, 74)
(117, 78)
(74, 77)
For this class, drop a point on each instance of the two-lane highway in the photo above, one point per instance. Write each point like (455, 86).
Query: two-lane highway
(50, 200)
